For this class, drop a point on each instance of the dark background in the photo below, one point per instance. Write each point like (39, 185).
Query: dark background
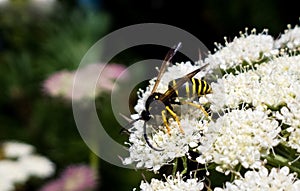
(210, 21)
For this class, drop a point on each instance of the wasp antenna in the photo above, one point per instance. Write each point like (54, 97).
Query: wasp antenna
(147, 140)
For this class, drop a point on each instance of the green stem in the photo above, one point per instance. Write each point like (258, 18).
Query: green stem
(278, 160)
(184, 163)
(285, 151)
(175, 167)
(94, 162)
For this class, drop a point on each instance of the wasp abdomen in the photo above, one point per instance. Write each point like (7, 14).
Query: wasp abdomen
(192, 88)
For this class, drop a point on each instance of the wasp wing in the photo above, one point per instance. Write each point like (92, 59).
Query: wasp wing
(165, 64)
(182, 80)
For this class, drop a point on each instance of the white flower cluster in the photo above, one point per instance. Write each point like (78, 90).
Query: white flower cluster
(255, 108)
(277, 179)
(247, 48)
(290, 38)
(272, 84)
(176, 144)
(12, 149)
(173, 184)
(25, 164)
(290, 115)
(238, 137)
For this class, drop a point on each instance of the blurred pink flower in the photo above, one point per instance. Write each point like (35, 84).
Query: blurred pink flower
(55, 185)
(108, 74)
(78, 178)
(74, 178)
(61, 84)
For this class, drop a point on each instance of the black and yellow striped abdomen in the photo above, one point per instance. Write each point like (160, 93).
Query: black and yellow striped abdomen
(192, 88)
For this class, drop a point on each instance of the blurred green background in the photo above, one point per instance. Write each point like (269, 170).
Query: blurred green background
(36, 41)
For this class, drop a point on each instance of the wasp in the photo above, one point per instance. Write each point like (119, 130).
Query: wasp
(161, 103)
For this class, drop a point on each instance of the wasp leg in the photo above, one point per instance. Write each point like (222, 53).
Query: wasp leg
(147, 140)
(199, 107)
(164, 118)
(174, 115)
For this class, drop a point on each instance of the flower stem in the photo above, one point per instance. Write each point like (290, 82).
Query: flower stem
(184, 163)
(94, 162)
(278, 160)
(175, 167)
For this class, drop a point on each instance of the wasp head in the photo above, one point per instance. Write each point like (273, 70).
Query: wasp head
(153, 106)
(153, 98)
